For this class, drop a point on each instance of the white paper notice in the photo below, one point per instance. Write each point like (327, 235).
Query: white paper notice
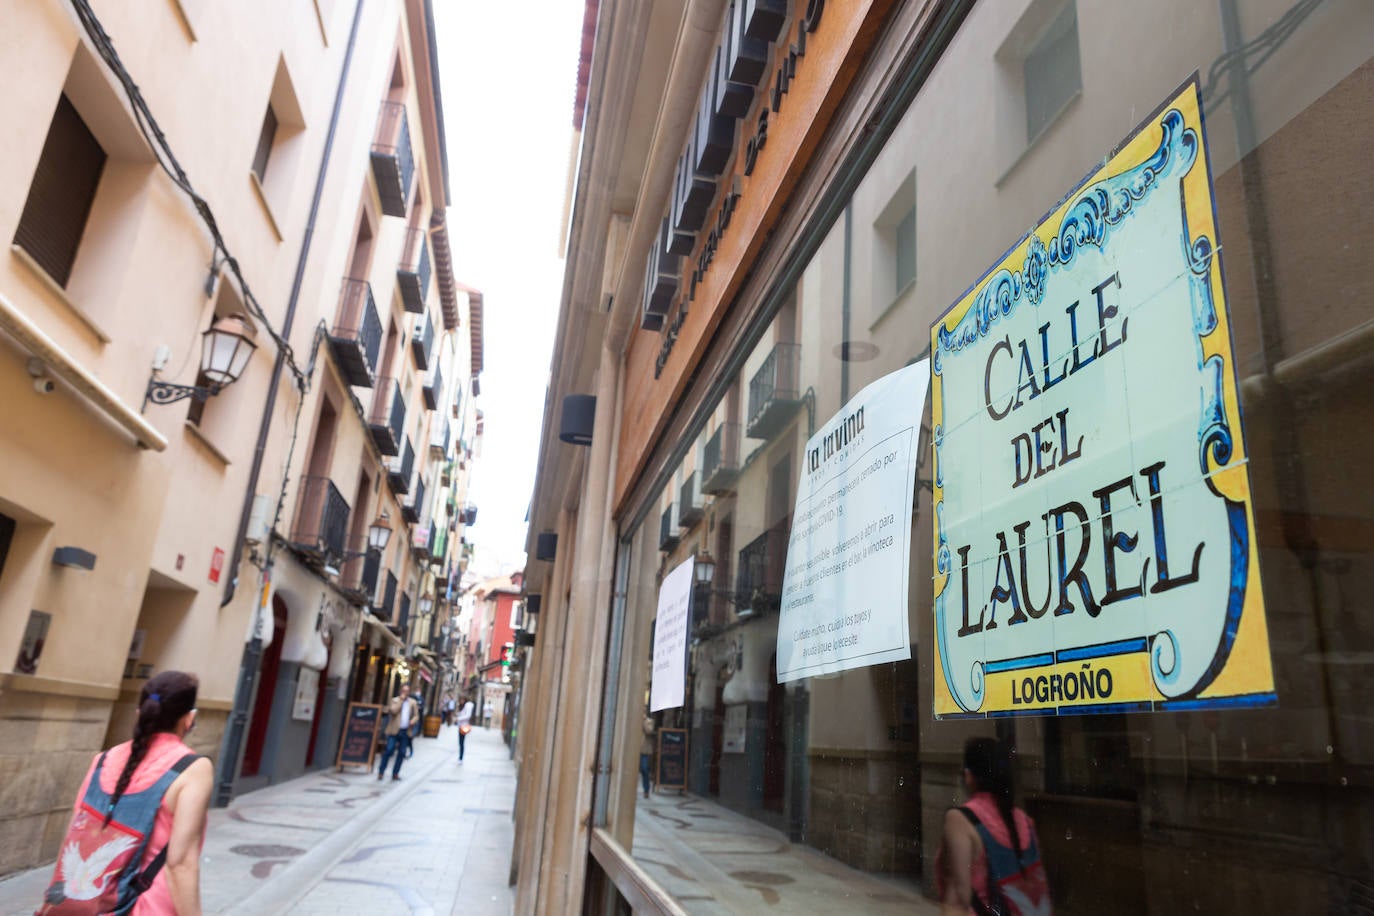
(844, 593)
(670, 638)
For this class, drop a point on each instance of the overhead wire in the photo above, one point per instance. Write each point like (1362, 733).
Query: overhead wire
(162, 151)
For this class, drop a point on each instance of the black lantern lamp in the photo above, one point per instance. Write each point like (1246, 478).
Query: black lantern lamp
(579, 416)
(224, 352)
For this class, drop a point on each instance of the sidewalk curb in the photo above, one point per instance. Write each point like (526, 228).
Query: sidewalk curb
(291, 884)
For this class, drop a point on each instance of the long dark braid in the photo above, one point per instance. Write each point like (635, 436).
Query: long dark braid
(163, 701)
(989, 761)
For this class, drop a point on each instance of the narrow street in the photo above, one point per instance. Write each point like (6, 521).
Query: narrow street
(436, 842)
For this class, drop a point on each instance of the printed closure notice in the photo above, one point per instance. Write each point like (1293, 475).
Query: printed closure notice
(670, 638)
(844, 594)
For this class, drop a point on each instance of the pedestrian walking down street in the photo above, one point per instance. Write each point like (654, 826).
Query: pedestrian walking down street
(450, 707)
(487, 711)
(646, 754)
(403, 711)
(464, 725)
(138, 824)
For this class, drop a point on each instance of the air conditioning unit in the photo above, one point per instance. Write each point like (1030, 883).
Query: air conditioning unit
(259, 519)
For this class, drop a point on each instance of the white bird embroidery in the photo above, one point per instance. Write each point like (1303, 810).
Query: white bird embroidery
(84, 879)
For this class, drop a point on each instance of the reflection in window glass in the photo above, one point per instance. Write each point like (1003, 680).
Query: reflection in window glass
(1052, 71)
(829, 793)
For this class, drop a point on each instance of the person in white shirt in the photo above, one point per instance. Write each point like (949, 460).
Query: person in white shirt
(487, 712)
(403, 711)
(464, 725)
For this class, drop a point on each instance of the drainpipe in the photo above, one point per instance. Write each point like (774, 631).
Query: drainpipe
(252, 652)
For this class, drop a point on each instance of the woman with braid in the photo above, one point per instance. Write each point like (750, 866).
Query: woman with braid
(139, 820)
(989, 862)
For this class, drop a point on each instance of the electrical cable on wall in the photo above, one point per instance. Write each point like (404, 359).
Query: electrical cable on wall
(155, 138)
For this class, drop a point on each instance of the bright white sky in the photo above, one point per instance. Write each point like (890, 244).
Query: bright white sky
(508, 73)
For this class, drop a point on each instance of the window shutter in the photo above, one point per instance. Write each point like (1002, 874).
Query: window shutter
(61, 195)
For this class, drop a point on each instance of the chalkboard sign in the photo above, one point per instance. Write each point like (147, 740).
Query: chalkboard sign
(672, 758)
(359, 741)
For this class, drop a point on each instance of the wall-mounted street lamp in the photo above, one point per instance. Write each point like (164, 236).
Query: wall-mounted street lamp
(379, 533)
(224, 352)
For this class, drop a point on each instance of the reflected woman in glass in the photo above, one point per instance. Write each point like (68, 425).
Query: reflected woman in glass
(990, 858)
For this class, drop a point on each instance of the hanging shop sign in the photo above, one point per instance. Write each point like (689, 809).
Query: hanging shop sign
(1094, 531)
(670, 638)
(844, 592)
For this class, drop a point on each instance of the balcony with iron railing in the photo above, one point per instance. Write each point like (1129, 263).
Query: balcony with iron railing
(439, 440)
(667, 529)
(434, 388)
(358, 578)
(420, 541)
(773, 392)
(388, 416)
(356, 338)
(410, 511)
(383, 611)
(690, 505)
(469, 514)
(720, 460)
(412, 274)
(393, 160)
(400, 468)
(422, 342)
(762, 561)
(321, 528)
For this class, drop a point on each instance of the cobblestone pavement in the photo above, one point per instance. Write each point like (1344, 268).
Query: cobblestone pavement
(715, 861)
(436, 842)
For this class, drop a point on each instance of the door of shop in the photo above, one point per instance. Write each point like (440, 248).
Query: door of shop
(267, 688)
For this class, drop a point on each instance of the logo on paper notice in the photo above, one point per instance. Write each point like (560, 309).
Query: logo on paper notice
(1094, 531)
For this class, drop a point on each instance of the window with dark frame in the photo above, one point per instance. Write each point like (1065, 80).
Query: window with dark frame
(266, 138)
(905, 242)
(1052, 72)
(60, 197)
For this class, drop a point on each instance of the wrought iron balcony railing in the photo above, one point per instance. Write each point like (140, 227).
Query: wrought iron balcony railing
(400, 468)
(422, 342)
(720, 462)
(321, 527)
(434, 388)
(773, 394)
(383, 610)
(412, 274)
(356, 338)
(690, 507)
(667, 529)
(411, 510)
(762, 562)
(393, 161)
(388, 416)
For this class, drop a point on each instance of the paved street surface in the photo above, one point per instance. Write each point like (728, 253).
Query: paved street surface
(436, 842)
(715, 861)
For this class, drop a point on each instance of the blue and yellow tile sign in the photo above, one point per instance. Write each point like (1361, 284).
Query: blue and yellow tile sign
(1094, 529)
